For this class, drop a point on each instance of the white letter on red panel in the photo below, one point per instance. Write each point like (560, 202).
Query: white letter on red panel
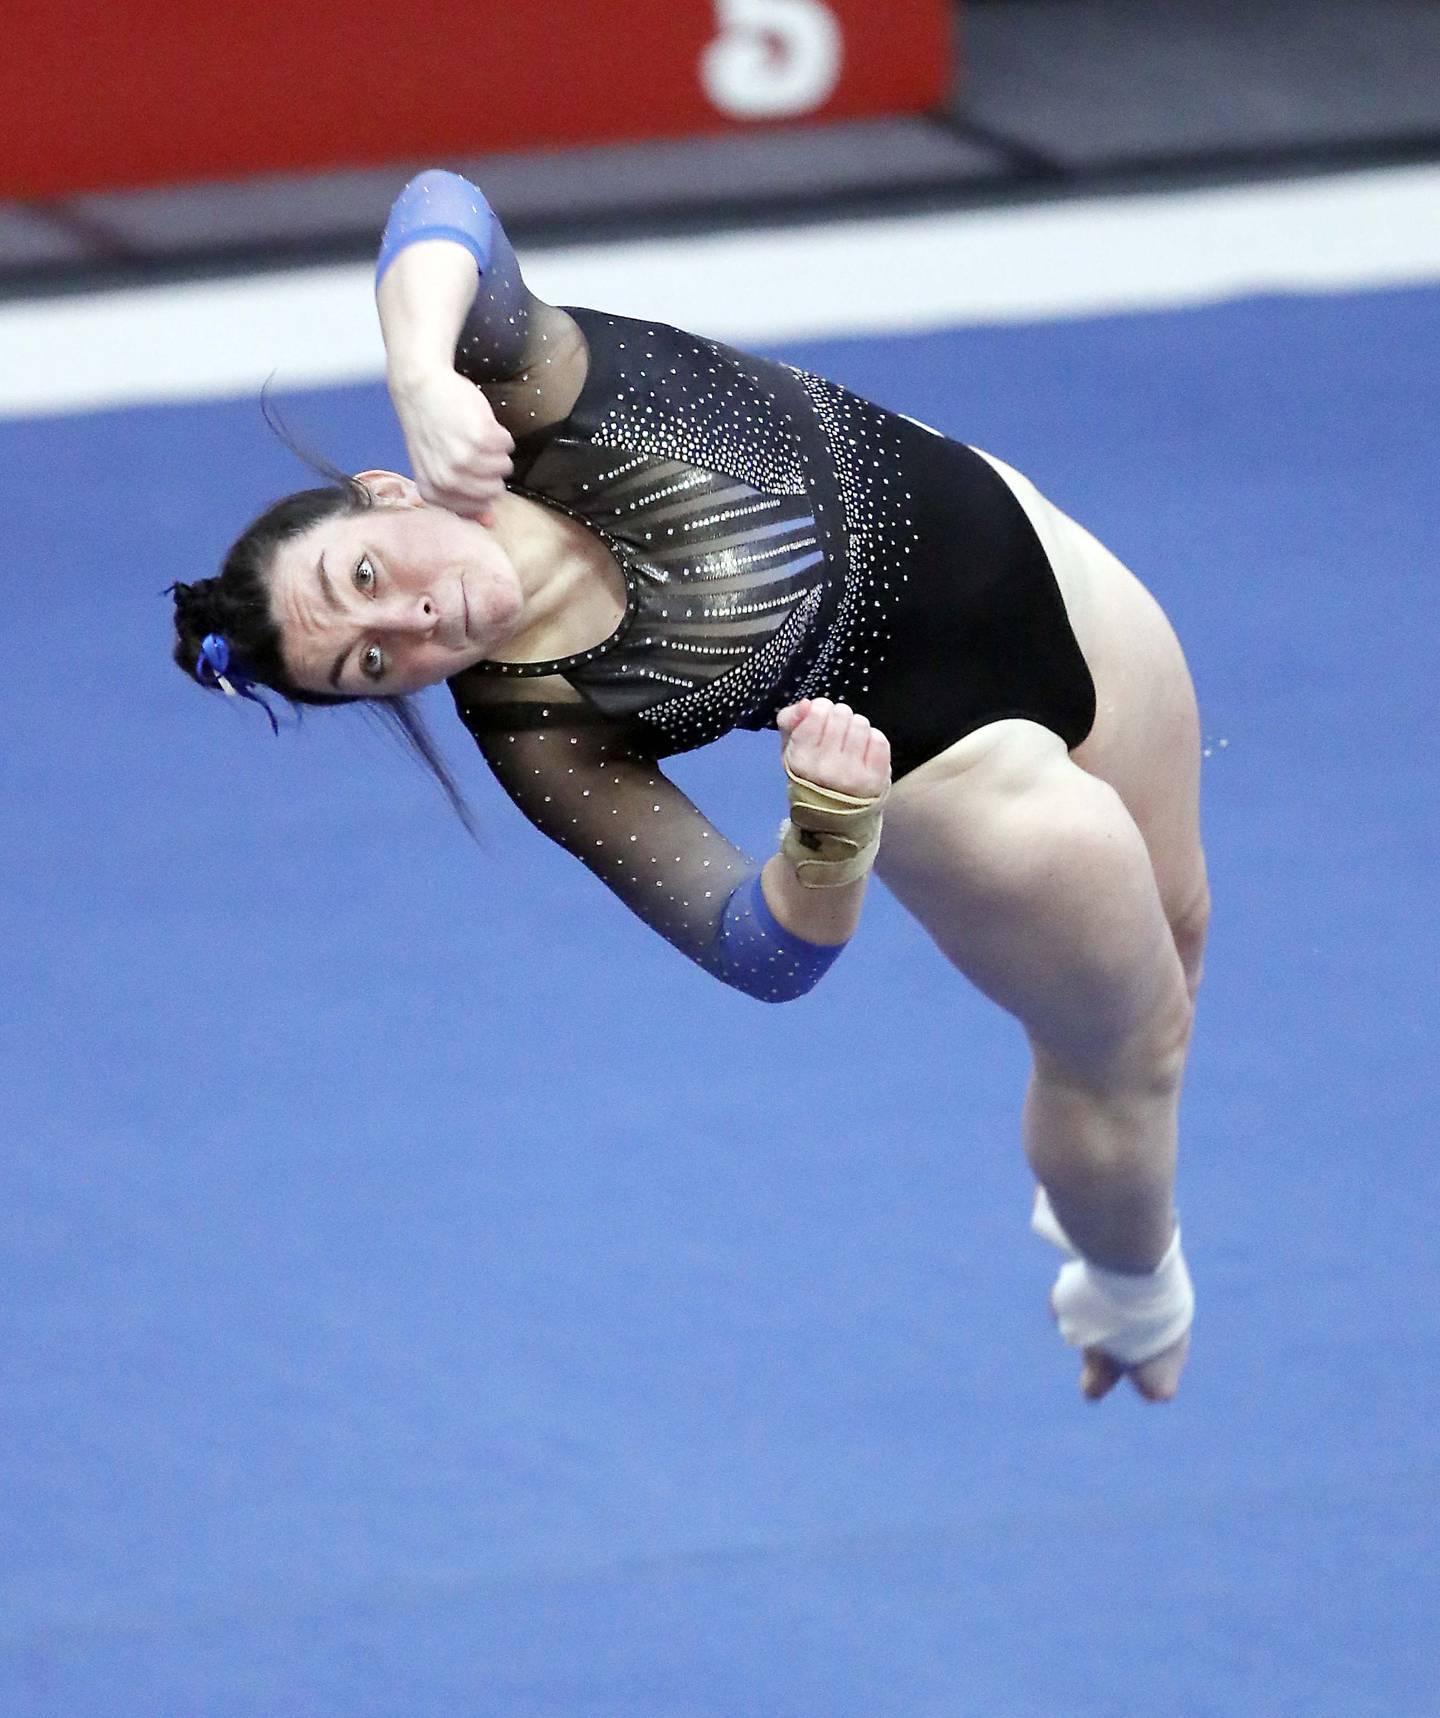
(772, 58)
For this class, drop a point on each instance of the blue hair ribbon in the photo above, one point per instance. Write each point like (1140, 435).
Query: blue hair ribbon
(215, 668)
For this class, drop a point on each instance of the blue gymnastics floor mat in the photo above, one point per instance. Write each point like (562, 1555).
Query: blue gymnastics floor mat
(427, 1295)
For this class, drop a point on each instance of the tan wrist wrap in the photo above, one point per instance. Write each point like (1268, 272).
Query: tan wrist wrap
(830, 838)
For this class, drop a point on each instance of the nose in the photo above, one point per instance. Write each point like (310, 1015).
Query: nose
(414, 616)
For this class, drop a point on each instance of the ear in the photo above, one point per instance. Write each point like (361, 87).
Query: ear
(390, 489)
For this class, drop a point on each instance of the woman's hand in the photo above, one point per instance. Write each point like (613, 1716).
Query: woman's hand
(459, 452)
(816, 882)
(832, 746)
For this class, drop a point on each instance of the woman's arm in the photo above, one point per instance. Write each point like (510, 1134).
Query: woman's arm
(611, 806)
(447, 278)
(423, 298)
(834, 750)
(456, 316)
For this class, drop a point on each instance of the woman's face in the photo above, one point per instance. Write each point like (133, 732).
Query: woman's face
(385, 601)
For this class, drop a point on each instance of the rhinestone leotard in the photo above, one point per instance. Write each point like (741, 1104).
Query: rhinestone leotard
(779, 538)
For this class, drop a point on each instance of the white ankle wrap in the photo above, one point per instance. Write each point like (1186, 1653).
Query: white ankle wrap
(1132, 1318)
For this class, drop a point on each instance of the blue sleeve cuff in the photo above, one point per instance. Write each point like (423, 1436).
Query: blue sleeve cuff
(755, 953)
(438, 205)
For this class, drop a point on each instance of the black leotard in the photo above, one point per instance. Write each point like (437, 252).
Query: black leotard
(779, 538)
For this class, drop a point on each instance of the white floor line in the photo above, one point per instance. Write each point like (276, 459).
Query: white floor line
(316, 327)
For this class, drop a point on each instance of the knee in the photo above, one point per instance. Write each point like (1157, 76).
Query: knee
(1190, 929)
(1154, 1059)
(1139, 1061)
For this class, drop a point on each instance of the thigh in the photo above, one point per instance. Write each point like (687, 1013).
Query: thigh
(1145, 742)
(1035, 881)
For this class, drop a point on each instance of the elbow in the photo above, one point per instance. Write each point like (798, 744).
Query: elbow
(447, 192)
(755, 954)
(437, 204)
(772, 980)
(429, 179)
(772, 995)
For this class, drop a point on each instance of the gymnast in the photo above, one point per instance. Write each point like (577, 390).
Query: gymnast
(621, 541)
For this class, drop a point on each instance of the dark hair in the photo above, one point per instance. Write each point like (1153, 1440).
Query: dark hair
(236, 606)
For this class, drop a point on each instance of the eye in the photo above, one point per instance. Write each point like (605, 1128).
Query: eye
(372, 660)
(364, 574)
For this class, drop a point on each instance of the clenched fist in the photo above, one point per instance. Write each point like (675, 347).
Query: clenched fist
(459, 452)
(832, 746)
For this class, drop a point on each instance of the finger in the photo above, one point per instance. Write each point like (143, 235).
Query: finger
(855, 738)
(877, 752)
(1158, 1379)
(479, 474)
(809, 732)
(479, 484)
(460, 501)
(462, 497)
(444, 484)
(1099, 1374)
(787, 719)
(832, 726)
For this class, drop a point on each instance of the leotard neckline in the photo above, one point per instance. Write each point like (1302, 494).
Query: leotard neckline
(578, 658)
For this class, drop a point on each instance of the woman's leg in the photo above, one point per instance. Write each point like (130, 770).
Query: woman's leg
(1146, 739)
(1072, 890)
(1035, 881)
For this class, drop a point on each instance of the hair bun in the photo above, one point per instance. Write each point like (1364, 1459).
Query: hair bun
(193, 603)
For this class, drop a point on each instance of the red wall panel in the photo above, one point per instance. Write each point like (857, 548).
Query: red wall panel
(96, 94)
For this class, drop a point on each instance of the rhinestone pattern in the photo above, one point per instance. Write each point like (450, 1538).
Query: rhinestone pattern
(735, 525)
(703, 486)
(767, 525)
(779, 538)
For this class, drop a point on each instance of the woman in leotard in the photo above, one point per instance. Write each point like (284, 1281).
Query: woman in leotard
(621, 542)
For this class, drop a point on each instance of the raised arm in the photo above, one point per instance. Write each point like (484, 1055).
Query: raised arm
(761, 931)
(456, 316)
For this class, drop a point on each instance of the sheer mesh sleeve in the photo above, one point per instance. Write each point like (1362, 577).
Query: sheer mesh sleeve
(543, 379)
(577, 777)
